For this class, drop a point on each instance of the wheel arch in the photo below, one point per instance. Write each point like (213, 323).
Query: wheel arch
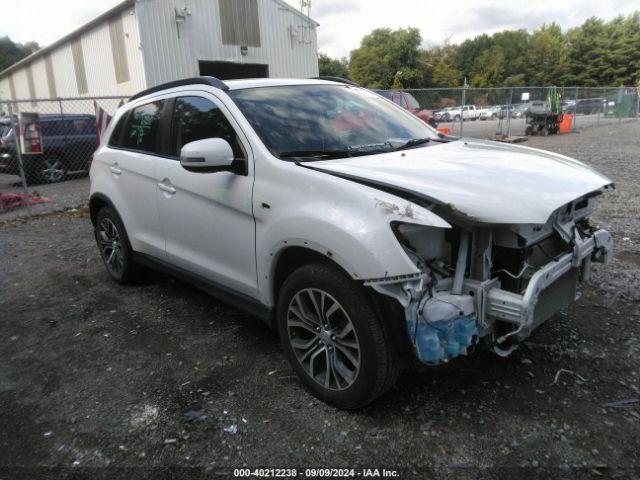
(290, 258)
(97, 202)
(390, 312)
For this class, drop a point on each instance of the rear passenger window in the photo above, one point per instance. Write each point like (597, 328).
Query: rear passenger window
(142, 128)
(196, 118)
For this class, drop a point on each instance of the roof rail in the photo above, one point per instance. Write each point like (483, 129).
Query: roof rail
(336, 79)
(211, 81)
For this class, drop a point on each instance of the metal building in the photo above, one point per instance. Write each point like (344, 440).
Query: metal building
(141, 43)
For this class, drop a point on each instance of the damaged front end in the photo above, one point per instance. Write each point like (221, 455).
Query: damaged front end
(499, 282)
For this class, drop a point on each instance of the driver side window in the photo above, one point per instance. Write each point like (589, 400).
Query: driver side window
(196, 118)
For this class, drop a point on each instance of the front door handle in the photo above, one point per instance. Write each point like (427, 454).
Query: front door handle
(166, 188)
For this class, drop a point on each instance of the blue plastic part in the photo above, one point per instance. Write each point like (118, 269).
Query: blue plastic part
(444, 339)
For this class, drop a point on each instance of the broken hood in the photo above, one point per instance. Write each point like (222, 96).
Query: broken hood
(489, 182)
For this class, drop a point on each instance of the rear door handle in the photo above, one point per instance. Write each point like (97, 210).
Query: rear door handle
(166, 188)
(115, 170)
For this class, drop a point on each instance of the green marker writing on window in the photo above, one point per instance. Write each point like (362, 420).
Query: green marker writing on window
(141, 126)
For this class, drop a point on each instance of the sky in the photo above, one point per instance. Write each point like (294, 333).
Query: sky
(344, 22)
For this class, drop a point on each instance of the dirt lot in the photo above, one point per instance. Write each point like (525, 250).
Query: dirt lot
(96, 375)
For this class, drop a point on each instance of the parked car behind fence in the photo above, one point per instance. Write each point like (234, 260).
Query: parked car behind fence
(68, 141)
(409, 102)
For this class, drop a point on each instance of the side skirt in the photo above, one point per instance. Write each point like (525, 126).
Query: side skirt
(227, 295)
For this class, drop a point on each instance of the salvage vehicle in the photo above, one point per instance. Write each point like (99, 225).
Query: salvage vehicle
(67, 144)
(409, 102)
(519, 110)
(489, 113)
(367, 239)
(466, 112)
(443, 115)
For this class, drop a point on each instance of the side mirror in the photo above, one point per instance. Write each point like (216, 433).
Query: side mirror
(207, 156)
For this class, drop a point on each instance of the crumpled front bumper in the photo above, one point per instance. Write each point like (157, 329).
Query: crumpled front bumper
(548, 290)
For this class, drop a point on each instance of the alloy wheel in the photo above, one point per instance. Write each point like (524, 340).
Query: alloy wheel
(323, 339)
(111, 246)
(52, 170)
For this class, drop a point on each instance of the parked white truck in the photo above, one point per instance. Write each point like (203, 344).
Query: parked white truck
(466, 112)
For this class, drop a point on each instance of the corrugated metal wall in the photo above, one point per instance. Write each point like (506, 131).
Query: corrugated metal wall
(93, 56)
(100, 62)
(172, 50)
(159, 50)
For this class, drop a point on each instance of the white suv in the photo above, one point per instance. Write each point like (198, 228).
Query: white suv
(366, 238)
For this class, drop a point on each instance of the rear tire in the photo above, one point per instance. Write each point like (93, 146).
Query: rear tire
(50, 169)
(114, 246)
(317, 304)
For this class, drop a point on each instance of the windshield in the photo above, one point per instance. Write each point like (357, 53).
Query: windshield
(336, 119)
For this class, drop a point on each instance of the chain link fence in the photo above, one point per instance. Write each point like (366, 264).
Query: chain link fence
(46, 145)
(509, 111)
(46, 148)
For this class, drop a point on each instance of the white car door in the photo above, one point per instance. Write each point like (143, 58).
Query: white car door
(131, 182)
(207, 218)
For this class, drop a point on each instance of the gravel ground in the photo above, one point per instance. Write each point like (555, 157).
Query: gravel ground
(94, 375)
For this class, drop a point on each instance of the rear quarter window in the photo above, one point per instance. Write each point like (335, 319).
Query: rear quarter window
(142, 128)
(115, 140)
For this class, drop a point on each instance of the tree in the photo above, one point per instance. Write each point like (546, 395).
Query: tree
(489, 60)
(586, 52)
(489, 68)
(595, 53)
(11, 52)
(332, 67)
(547, 56)
(383, 54)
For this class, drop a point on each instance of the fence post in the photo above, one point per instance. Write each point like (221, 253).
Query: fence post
(16, 138)
(575, 110)
(601, 110)
(464, 100)
(509, 112)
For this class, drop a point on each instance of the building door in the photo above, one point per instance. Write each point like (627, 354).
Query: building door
(231, 70)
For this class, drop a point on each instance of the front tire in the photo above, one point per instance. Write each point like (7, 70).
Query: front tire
(334, 338)
(114, 246)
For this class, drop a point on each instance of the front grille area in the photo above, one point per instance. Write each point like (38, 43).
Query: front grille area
(514, 267)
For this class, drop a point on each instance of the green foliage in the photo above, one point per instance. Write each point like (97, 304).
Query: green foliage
(595, 53)
(11, 52)
(387, 58)
(332, 67)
